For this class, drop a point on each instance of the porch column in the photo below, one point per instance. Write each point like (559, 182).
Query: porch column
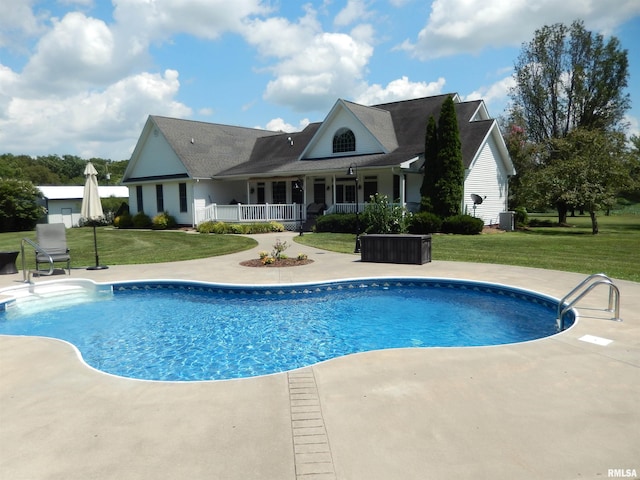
(333, 189)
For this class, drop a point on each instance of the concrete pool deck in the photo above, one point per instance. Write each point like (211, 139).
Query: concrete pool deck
(558, 408)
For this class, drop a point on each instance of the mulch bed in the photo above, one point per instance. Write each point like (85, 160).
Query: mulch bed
(285, 262)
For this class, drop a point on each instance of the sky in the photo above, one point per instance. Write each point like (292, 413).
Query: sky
(80, 77)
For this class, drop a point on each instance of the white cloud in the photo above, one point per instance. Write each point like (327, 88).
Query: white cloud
(312, 67)
(78, 51)
(89, 120)
(17, 21)
(495, 94)
(633, 127)
(399, 89)
(453, 27)
(279, 38)
(8, 81)
(331, 66)
(205, 19)
(279, 125)
(354, 11)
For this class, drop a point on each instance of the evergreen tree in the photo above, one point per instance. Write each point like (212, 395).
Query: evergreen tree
(431, 172)
(449, 186)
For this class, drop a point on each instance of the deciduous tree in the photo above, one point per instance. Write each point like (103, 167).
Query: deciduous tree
(568, 78)
(587, 168)
(19, 208)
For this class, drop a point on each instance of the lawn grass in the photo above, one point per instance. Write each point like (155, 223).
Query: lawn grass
(130, 247)
(614, 251)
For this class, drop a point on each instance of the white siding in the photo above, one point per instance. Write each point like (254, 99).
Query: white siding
(156, 158)
(365, 142)
(487, 177)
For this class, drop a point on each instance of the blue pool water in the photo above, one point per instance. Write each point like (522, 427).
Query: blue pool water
(182, 331)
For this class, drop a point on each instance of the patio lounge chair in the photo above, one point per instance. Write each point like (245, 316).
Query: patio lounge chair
(51, 246)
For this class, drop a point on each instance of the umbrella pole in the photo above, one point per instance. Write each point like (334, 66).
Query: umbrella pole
(95, 248)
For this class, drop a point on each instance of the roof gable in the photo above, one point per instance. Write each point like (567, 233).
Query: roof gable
(372, 127)
(153, 156)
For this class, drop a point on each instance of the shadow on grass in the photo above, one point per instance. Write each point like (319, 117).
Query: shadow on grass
(555, 231)
(581, 225)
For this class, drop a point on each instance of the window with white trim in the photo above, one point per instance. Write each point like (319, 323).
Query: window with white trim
(344, 141)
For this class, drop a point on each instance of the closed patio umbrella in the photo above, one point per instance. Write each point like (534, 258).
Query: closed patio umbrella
(91, 209)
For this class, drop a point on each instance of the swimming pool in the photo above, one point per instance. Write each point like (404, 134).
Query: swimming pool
(189, 331)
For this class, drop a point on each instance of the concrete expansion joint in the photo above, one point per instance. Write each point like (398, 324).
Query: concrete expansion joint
(312, 452)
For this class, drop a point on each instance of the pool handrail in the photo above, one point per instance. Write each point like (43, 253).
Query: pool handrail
(586, 286)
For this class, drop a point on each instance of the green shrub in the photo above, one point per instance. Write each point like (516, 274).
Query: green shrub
(522, 217)
(424, 222)
(463, 225)
(380, 216)
(239, 228)
(123, 221)
(141, 220)
(206, 227)
(275, 226)
(163, 221)
(337, 223)
(236, 228)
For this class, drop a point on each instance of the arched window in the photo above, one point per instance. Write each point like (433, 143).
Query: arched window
(344, 141)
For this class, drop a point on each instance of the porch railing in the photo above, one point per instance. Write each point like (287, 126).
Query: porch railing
(351, 207)
(251, 213)
(345, 208)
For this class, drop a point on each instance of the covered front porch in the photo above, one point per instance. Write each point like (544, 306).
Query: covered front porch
(293, 216)
(296, 200)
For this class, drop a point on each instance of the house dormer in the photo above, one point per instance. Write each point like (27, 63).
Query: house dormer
(351, 129)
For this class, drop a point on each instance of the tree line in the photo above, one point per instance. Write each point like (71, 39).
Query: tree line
(59, 170)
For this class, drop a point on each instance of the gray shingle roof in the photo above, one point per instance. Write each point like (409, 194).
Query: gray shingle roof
(215, 147)
(378, 122)
(224, 151)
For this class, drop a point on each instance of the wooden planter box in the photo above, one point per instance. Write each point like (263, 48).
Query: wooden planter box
(396, 248)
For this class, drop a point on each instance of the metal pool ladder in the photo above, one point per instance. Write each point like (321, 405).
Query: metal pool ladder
(582, 289)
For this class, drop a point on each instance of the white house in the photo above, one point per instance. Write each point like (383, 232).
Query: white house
(63, 203)
(200, 171)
